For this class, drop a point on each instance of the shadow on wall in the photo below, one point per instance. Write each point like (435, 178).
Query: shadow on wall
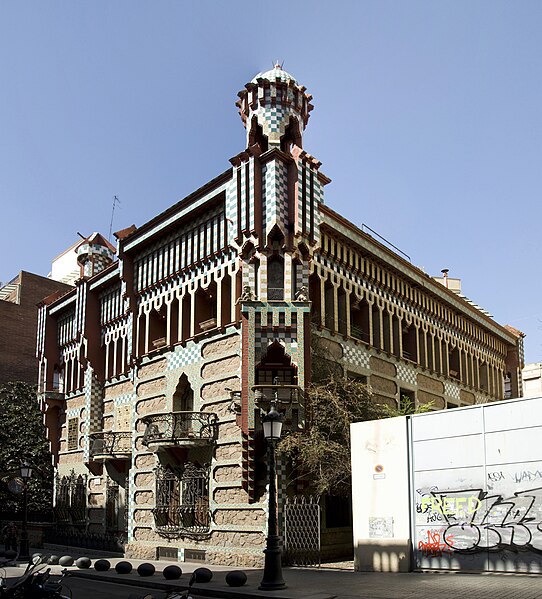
(389, 557)
(373, 557)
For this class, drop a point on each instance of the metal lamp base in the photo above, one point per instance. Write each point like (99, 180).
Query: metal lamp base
(272, 573)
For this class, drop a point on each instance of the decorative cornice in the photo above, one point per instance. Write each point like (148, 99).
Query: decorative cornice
(415, 274)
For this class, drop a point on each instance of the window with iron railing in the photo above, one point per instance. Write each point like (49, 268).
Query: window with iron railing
(71, 499)
(182, 500)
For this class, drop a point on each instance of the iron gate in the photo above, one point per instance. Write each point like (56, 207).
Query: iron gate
(302, 530)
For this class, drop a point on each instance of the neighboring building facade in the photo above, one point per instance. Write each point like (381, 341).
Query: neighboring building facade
(18, 317)
(64, 267)
(155, 370)
(532, 380)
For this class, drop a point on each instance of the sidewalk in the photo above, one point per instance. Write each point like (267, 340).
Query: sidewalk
(329, 583)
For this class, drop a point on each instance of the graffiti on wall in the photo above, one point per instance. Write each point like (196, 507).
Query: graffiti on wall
(474, 520)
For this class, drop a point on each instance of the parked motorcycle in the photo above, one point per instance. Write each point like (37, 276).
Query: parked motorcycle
(34, 583)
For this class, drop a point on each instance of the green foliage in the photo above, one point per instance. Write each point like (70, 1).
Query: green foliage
(22, 438)
(407, 407)
(322, 451)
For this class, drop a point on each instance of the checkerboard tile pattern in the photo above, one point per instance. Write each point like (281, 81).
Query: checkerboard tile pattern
(271, 196)
(281, 192)
(249, 278)
(282, 483)
(302, 276)
(93, 406)
(356, 355)
(406, 373)
(250, 216)
(231, 205)
(451, 390)
(270, 215)
(184, 356)
(318, 217)
(275, 119)
(263, 278)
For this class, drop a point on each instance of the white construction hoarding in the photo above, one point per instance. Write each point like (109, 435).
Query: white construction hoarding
(473, 498)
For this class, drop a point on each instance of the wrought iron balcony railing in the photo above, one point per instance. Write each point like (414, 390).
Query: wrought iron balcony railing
(282, 394)
(182, 520)
(180, 428)
(111, 445)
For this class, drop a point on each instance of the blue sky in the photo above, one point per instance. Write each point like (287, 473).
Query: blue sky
(427, 119)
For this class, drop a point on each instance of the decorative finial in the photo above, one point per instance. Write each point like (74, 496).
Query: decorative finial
(278, 64)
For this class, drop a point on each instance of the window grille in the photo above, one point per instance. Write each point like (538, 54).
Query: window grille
(182, 500)
(112, 515)
(71, 499)
(73, 426)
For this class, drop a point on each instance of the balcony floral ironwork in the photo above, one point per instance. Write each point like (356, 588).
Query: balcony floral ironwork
(111, 445)
(180, 429)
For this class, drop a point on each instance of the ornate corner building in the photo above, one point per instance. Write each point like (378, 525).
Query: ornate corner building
(155, 368)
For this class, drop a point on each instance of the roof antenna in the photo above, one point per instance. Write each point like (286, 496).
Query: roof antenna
(115, 202)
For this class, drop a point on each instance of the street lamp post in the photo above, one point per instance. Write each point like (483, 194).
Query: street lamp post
(26, 473)
(272, 575)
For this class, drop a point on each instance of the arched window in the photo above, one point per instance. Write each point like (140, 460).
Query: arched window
(276, 368)
(275, 278)
(183, 398)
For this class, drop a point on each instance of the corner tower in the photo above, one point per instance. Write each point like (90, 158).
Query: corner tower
(273, 205)
(275, 110)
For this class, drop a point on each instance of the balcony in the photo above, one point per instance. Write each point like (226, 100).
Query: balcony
(51, 398)
(180, 429)
(110, 445)
(280, 393)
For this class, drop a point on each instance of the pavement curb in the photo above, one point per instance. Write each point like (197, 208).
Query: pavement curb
(210, 589)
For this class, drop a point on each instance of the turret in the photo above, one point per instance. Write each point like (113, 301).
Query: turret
(275, 110)
(94, 254)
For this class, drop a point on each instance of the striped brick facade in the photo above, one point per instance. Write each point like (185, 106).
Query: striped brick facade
(209, 312)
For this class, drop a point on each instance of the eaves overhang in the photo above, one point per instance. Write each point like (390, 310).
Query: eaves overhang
(63, 303)
(104, 277)
(178, 211)
(336, 222)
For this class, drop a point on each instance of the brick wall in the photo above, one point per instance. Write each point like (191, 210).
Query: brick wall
(18, 328)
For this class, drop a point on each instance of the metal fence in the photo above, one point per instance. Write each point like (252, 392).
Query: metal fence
(71, 537)
(302, 516)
